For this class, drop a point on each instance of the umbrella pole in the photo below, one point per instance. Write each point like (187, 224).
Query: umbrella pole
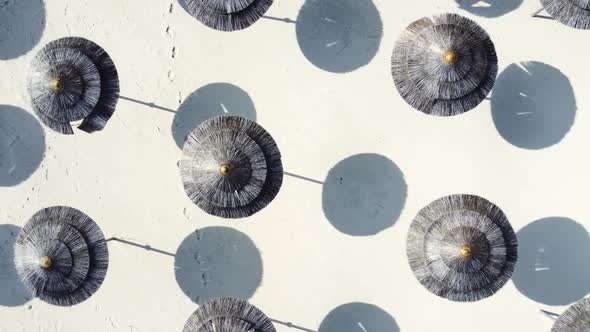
(152, 105)
(536, 14)
(145, 247)
(549, 314)
(291, 325)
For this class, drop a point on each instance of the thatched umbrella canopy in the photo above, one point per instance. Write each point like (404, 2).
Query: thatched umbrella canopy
(228, 15)
(462, 247)
(228, 315)
(444, 65)
(231, 167)
(73, 82)
(573, 13)
(575, 318)
(61, 256)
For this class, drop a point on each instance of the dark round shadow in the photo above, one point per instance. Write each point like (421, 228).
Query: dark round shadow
(488, 8)
(209, 101)
(217, 262)
(358, 317)
(364, 194)
(21, 25)
(22, 145)
(12, 291)
(184, 6)
(553, 261)
(533, 105)
(339, 36)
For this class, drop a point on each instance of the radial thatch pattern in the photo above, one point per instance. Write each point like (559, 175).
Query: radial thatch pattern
(73, 80)
(573, 13)
(231, 167)
(444, 65)
(61, 256)
(575, 318)
(228, 15)
(228, 315)
(462, 247)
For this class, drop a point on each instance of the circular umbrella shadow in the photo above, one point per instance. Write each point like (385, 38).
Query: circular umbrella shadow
(209, 101)
(339, 35)
(533, 105)
(489, 8)
(215, 262)
(22, 145)
(21, 25)
(364, 194)
(358, 317)
(12, 292)
(184, 6)
(553, 258)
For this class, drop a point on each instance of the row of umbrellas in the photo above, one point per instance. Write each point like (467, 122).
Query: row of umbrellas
(460, 247)
(231, 15)
(236, 315)
(443, 65)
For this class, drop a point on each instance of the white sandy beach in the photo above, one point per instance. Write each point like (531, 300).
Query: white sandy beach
(525, 149)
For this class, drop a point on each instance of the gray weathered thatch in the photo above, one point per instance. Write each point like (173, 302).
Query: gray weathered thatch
(73, 80)
(61, 256)
(573, 13)
(231, 167)
(575, 318)
(228, 315)
(228, 15)
(461, 247)
(444, 65)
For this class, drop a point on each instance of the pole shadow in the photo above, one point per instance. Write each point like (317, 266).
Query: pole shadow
(364, 194)
(145, 247)
(148, 104)
(361, 317)
(215, 262)
(279, 19)
(22, 145)
(21, 26)
(488, 8)
(339, 36)
(12, 291)
(215, 99)
(304, 178)
(553, 258)
(533, 105)
(291, 325)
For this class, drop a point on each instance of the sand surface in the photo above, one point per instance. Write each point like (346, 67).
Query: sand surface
(329, 252)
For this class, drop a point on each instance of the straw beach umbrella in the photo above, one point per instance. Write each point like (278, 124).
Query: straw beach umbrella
(61, 256)
(444, 65)
(231, 167)
(575, 318)
(461, 247)
(573, 13)
(73, 80)
(228, 315)
(228, 15)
